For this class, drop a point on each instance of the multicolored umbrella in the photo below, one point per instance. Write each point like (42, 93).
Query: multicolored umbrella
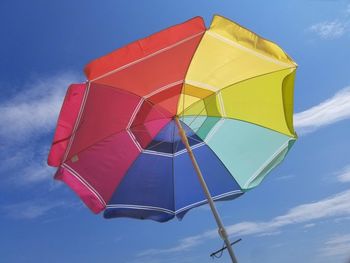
(184, 104)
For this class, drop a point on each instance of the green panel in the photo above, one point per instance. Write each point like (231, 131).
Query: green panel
(248, 151)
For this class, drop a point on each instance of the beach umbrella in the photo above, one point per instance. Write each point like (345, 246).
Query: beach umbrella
(178, 119)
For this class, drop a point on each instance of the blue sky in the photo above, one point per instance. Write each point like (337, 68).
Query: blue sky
(300, 213)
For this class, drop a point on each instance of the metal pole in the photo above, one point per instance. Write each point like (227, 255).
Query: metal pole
(221, 228)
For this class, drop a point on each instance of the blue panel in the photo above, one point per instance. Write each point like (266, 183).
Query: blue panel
(146, 191)
(188, 191)
(162, 182)
(168, 139)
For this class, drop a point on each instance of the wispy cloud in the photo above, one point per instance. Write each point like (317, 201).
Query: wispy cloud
(338, 245)
(28, 118)
(33, 111)
(30, 209)
(327, 112)
(333, 29)
(309, 225)
(25, 166)
(330, 29)
(333, 206)
(344, 174)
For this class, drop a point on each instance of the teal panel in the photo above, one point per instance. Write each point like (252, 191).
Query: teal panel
(248, 151)
(201, 125)
(194, 122)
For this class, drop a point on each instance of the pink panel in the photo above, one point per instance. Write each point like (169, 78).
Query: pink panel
(66, 122)
(107, 111)
(104, 164)
(149, 113)
(86, 195)
(144, 133)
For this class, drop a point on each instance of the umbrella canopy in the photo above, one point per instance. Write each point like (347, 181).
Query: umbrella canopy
(117, 142)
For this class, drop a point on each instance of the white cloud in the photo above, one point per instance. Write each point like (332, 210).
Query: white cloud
(36, 172)
(34, 110)
(26, 165)
(327, 112)
(337, 246)
(31, 209)
(334, 206)
(27, 117)
(329, 29)
(335, 28)
(184, 244)
(309, 225)
(344, 175)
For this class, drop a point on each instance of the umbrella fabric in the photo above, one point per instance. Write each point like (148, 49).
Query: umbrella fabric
(117, 145)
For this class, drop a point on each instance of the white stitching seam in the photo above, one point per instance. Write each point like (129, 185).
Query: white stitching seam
(173, 154)
(141, 207)
(257, 54)
(82, 106)
(149, 56)
(268, 161)
(85, 183)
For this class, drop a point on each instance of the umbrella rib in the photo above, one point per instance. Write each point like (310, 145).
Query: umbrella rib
(205, 143)
(222, 232)
(241, 47)
(189, 64)
(77, 123)
(109, 135)
(143, 98)
(148, 56)
(138, 106)
(142, 207)
(252, 123)
(85, 183)
(215, 198)
(230, 85)
(172, 168)
(268, 161)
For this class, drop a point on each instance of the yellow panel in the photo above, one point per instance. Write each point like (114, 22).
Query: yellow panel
(205, 106)
(252, 77)
(191, 95)
(288, 99)
(185, 101)
(264, 100)
(236, 33)
(227, 54)
(196, 91)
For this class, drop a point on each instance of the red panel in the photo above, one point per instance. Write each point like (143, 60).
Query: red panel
(144, 47)
(155, 72)
(101, 150)
(168, 99)
(107, 111)
(65, 124)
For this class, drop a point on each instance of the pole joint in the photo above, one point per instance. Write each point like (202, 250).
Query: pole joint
(222, 233)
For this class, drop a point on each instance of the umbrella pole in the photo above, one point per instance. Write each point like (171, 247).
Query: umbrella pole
(221, 230)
